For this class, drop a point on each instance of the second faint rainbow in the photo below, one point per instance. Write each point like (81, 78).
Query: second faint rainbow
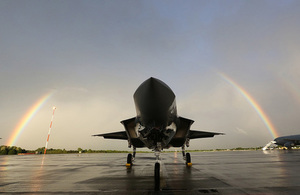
(254, 104)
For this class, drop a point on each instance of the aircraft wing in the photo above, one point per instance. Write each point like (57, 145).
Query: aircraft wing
(115, 135)
(202, 134)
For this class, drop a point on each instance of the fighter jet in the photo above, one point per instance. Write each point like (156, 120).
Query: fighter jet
(157, 125)
(285, 141)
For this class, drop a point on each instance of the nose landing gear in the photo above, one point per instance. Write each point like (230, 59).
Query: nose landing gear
(157, 152)
(157, 176)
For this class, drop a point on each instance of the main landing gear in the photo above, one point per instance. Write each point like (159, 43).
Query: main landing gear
(130, 158)
(129, 161)
(186, 157)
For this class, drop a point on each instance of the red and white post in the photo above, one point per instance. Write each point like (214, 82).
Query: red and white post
(49, 129)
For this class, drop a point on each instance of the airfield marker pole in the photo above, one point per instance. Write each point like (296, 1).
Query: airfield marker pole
(49, 130)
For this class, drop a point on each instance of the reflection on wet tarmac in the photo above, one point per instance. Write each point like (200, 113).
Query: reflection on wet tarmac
(241, 172)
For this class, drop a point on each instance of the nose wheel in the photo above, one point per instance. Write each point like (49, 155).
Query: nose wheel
(157, 152)
(157, 176)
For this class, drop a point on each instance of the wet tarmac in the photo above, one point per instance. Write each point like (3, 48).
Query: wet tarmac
(239, 172)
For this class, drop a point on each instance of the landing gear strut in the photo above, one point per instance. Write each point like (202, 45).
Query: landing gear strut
(134, 151)
(183, 152)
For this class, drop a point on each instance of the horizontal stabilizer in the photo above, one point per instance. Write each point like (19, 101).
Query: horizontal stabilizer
(115, 135)
(202, 134)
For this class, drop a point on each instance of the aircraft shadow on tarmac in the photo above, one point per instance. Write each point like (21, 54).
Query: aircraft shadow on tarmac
(175, 176)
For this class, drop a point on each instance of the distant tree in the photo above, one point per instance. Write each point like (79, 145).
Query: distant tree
(57, 151)
(3, 148)
(19, 150)
(40, 150)
(12, 151)
(3, 152)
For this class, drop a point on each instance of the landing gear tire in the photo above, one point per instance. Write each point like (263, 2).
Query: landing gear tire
(188, 160)
(129, 161)
(157, 176)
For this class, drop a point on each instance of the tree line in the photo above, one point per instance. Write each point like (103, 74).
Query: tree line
(13, 150)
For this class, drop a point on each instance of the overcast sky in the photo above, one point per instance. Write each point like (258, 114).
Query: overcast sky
(92, 55)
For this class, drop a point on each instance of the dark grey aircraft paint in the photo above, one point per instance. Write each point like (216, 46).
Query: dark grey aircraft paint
(157, 120)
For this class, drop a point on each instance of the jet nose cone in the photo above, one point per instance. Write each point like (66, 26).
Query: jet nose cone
(153, 81)
(154, 88)
(152, 78)
(153, 98)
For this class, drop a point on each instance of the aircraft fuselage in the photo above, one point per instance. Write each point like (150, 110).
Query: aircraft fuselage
(288, 141)
(156, 113)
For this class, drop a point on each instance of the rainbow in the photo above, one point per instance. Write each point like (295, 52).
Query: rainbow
(290, 87)
(27, 118)
(254, 104)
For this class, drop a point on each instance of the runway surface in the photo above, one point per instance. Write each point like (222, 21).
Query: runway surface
(239, 172)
